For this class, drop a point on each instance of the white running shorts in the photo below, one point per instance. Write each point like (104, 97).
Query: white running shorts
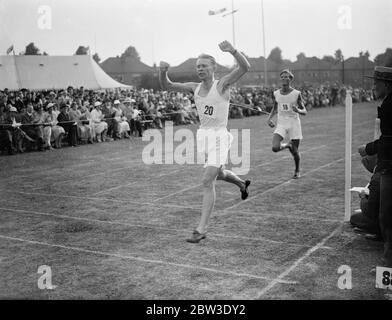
(289, 127)
(213, 146)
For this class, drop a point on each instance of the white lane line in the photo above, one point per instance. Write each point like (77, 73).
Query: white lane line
(177, 192)
(135, 258)
(289, 156)
(277, 215)
(150, 226)
(133, 182)
(140, 203)
(281, 185)
(297, 262)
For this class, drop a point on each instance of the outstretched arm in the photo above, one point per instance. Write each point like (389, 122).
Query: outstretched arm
(242, 67)
(166, 84)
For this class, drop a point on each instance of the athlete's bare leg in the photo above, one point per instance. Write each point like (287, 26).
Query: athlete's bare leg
(230, 176)
(294, 151)
(277, 144)
(208, 182)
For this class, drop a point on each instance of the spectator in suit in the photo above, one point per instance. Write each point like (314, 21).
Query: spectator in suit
(69, 125)
(30, 127)
(383, 148)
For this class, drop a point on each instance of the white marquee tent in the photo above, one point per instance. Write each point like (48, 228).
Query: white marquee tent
(53, 72)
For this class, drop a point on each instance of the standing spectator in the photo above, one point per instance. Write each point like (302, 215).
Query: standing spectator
(383, 148)
(7, 131)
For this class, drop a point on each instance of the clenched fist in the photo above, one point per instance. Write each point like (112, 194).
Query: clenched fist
(164, 66)
(362, 150)
(271, 123)
(226, 46)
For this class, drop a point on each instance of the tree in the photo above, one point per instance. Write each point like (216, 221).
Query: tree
(96, 58)
(366, 55)
(276, 55)
(301, 56)
(82, 50)
(45, 53)
(130, 52)
(384, 59)
(31, 50)
(338, 55)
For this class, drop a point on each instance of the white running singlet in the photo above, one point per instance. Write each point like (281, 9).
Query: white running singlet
(213, 109)
(213, 139)
(286, 102)
(288, 123)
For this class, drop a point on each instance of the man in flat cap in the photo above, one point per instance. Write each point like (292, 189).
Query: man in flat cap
(383, 148)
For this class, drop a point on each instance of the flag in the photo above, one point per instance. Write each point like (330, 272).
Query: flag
(234, 11)
(211, 12)
(10, 49)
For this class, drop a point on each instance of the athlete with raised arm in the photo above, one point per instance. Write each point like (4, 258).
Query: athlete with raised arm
(212, 99)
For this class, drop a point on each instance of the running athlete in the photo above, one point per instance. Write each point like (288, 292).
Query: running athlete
(212, 99)
(288, 105)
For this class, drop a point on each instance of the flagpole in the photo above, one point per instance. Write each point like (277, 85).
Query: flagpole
(232, 20)
(16, 69)
(265, 58)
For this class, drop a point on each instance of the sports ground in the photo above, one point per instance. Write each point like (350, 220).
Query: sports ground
(111, 227)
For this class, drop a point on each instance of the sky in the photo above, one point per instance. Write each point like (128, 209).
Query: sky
(175, 30)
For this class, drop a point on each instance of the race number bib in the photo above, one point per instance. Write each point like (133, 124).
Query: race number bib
(209, 111)
(384, 278)
(285, 106)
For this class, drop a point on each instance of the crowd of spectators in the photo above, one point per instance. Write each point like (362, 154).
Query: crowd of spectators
(43, 120)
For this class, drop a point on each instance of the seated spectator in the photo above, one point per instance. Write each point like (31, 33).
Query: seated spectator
(190, 111)
(106, 110)
(41, 122)
(57, 132)
(69, 125)
(121, 125)
(85, 122)
(367, 219)
(30, 127)
(97, 119)
(136, 121)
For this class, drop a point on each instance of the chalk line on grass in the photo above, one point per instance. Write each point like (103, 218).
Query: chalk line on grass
(279, 185)
(279, 278)
(135, 258)
(140, 203)
(152, 226)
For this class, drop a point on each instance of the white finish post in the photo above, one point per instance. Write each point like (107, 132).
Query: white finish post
(347, 186)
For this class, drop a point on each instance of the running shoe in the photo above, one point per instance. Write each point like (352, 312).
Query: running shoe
(245, 193)
(196, 237)
(296, 175)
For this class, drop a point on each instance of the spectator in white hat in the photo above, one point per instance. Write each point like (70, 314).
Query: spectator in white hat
(100, 126)
(57, 132)
(117, 119)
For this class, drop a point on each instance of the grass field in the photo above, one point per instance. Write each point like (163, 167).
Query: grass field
(112, 227)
